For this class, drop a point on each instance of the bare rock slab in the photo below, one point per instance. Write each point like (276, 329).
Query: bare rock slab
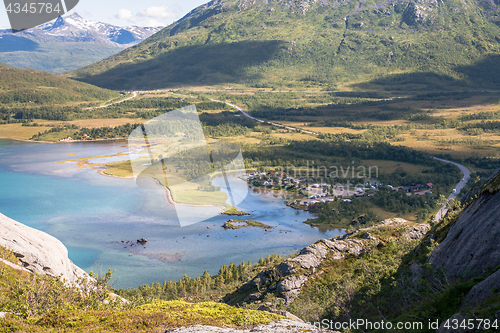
(37, 251)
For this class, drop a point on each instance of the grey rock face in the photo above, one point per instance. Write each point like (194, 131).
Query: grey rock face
(38, 251)
(355, 247)
(286, 268)
(311, 256)
(418, 232)
(479, 224)
(340, 246)
(289, 289)
(289, 296)
(482, 291)
(291, 283)
(415, 13)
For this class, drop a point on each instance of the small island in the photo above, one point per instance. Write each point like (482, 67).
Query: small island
(238, 224)
(234, 212)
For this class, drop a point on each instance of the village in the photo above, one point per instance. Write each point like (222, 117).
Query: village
(315, 192)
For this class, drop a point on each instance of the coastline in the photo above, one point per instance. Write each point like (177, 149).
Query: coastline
(167, 190)
(30, 141)
(72, 141)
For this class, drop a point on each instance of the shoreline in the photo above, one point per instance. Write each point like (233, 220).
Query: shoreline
(30, 141)
(72, 141)
(167, 190)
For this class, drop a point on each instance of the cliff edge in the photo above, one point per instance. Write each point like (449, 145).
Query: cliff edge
(38, 251)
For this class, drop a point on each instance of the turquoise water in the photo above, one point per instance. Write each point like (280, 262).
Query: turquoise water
(92, 214)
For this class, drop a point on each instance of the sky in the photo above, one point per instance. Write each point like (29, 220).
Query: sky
(127, 12)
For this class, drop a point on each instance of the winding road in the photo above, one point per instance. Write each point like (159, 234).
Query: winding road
(262, 121)
(134, 95)
(442, 212)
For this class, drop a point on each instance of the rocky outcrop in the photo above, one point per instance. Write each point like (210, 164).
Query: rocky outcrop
(417, 12)
(418, 232)
(289, 288)
(282, 326)
(286, 268)
(471, 247)
(287, 279)
(37, 251)
(311, 256)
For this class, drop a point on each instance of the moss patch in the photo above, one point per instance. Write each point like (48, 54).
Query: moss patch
(234, 212)
(154, 317)
(238, 224)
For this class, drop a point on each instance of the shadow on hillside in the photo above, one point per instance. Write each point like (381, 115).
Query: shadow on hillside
(190, 65)
(484, 74)
(10, 43)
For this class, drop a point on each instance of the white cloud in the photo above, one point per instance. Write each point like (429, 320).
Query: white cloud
(124, 14)
(151, 16)
(154, 23)
(161, 12)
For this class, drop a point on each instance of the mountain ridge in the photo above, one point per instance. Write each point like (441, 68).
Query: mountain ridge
(277, 43)
(68, 43)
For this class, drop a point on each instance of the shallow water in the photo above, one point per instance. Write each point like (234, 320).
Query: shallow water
(92, 214)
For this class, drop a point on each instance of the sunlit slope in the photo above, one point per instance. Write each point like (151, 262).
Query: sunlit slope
(285, 43)
(35, 87)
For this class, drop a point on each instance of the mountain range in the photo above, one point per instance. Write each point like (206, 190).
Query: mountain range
(326, 43)
(68, 43)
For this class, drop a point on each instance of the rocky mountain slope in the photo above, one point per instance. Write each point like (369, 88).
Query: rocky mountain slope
(37, 251)
(276, 43)
(394, 271)
(67, 43)
(459, 254)
(287, 279)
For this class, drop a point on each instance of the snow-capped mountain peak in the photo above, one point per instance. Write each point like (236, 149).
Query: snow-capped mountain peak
(75, 28)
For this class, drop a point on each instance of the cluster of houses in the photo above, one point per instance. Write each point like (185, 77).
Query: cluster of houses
(322, 192)
(274, 179)
(416, 189)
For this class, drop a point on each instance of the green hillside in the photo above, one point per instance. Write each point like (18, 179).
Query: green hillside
(52, 57)
(30, 86)
(318, 43)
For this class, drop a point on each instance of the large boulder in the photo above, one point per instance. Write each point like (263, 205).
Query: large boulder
(37, 251)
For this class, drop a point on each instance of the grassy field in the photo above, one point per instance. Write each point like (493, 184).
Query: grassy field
(387, 167)
(19, 132)
(94, 123)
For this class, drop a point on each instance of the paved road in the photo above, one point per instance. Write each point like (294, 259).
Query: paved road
(134, 95)
(458, 188)
(262, 121)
